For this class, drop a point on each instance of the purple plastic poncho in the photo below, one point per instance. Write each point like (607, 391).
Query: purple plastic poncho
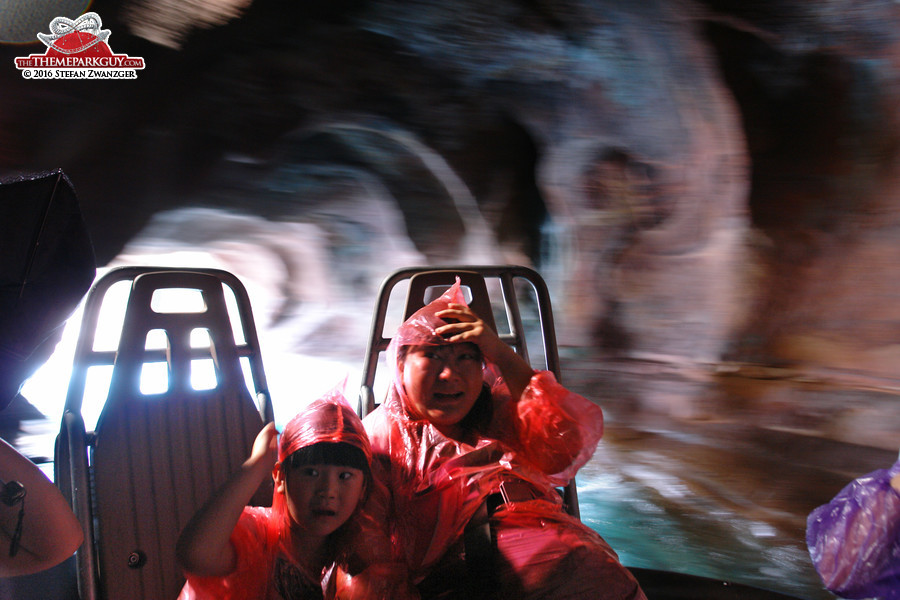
(854, 540)
(364, 566)
(437, 484)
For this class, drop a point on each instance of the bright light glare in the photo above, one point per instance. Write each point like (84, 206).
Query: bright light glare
(154, 378)
(177, 300)
(203, 374)
(200, 338)
(294, 380)
(156, 340)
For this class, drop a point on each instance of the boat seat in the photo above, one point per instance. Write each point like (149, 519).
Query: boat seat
(160, 447)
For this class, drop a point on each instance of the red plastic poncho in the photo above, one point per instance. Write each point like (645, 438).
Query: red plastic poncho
(262, 537)
(437, 484)
(854, 540)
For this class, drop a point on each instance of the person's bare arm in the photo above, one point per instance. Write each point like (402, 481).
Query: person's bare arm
(470, 328)
(50, 531)
(204, 546)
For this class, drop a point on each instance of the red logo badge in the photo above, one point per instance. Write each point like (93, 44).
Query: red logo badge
(78, 50)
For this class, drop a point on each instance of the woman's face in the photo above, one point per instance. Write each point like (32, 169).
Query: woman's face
(320, 498)
(442, 382)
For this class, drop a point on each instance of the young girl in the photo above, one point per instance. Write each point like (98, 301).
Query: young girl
(469, 431)
(288, 551)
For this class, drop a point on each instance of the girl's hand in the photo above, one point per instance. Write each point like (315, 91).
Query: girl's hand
(265, 447)
(203, 548)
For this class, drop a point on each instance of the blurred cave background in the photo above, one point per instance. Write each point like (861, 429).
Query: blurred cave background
(709, 188)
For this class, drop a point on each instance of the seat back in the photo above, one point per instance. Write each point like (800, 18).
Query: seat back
(160, 447)
(426, 286)
(496, 294)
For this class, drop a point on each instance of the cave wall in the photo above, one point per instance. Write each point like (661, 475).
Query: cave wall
(708, 186)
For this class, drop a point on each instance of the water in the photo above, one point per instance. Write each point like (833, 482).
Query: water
(654, 521)
(715, 475)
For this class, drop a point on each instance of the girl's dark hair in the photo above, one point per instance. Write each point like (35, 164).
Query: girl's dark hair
(339, 454)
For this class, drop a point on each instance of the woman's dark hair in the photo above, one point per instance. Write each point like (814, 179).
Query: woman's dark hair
(403, 351)
(481, 413)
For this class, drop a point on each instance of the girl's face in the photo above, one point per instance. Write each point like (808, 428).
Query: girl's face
(442, 383)
(320, 498)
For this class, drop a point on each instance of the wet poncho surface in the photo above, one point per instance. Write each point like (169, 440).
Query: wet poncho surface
(437, 484)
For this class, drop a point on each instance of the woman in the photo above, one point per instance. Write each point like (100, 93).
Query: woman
(470, 435)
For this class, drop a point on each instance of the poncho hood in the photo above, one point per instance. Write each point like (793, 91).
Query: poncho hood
(328, 419)
(420, 329)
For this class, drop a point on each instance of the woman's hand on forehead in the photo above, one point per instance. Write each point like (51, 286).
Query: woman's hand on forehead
(468, 327)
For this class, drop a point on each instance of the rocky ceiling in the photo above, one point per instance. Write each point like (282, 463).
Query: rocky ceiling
(710, 187)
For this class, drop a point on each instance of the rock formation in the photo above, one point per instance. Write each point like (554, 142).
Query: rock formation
(710, 188)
